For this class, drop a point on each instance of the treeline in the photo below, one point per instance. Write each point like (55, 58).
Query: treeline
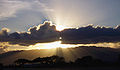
(41, 62)
(56, 61)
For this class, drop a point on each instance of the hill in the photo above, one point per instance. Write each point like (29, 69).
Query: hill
(70, 54)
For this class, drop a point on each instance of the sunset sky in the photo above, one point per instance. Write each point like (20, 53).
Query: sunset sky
(68, 28)
(31, 24)
(20, 15)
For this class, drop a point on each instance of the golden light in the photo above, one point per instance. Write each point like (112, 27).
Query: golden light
(60, 27)
(56, 44)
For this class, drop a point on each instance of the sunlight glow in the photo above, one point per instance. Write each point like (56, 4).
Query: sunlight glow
(52, 45)
(56, 44)
(60, 27)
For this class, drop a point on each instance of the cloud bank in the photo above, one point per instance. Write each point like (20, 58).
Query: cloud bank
(47, 32)
(91, 34)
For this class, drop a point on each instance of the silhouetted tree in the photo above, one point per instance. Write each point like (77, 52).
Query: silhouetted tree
(87, 60)
(49, 60)
(57, 59)
(37, 60)
(22, 61)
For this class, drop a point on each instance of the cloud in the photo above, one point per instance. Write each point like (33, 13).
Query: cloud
(4, 32)
(45, 32)
(8, 8)
(38, 5)
(91, 34)
(18, 14)
(3, 46)
(6, 46)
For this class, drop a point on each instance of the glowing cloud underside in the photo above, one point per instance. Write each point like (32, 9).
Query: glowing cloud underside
(52, 45)
(5, 46)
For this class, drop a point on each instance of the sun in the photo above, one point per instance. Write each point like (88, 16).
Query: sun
(60, 27)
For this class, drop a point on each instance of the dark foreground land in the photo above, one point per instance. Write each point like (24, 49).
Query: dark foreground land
(81, 68)
(58, 63)
(79, 65)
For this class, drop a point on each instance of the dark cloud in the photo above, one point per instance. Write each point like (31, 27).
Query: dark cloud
(4, 32)
(42, 33)
(47, 32)
(91, 34)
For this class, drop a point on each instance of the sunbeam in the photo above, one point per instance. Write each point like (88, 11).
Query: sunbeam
(52, 45)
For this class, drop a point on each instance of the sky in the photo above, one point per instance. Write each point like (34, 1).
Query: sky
(25, 24)
(20, 15)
